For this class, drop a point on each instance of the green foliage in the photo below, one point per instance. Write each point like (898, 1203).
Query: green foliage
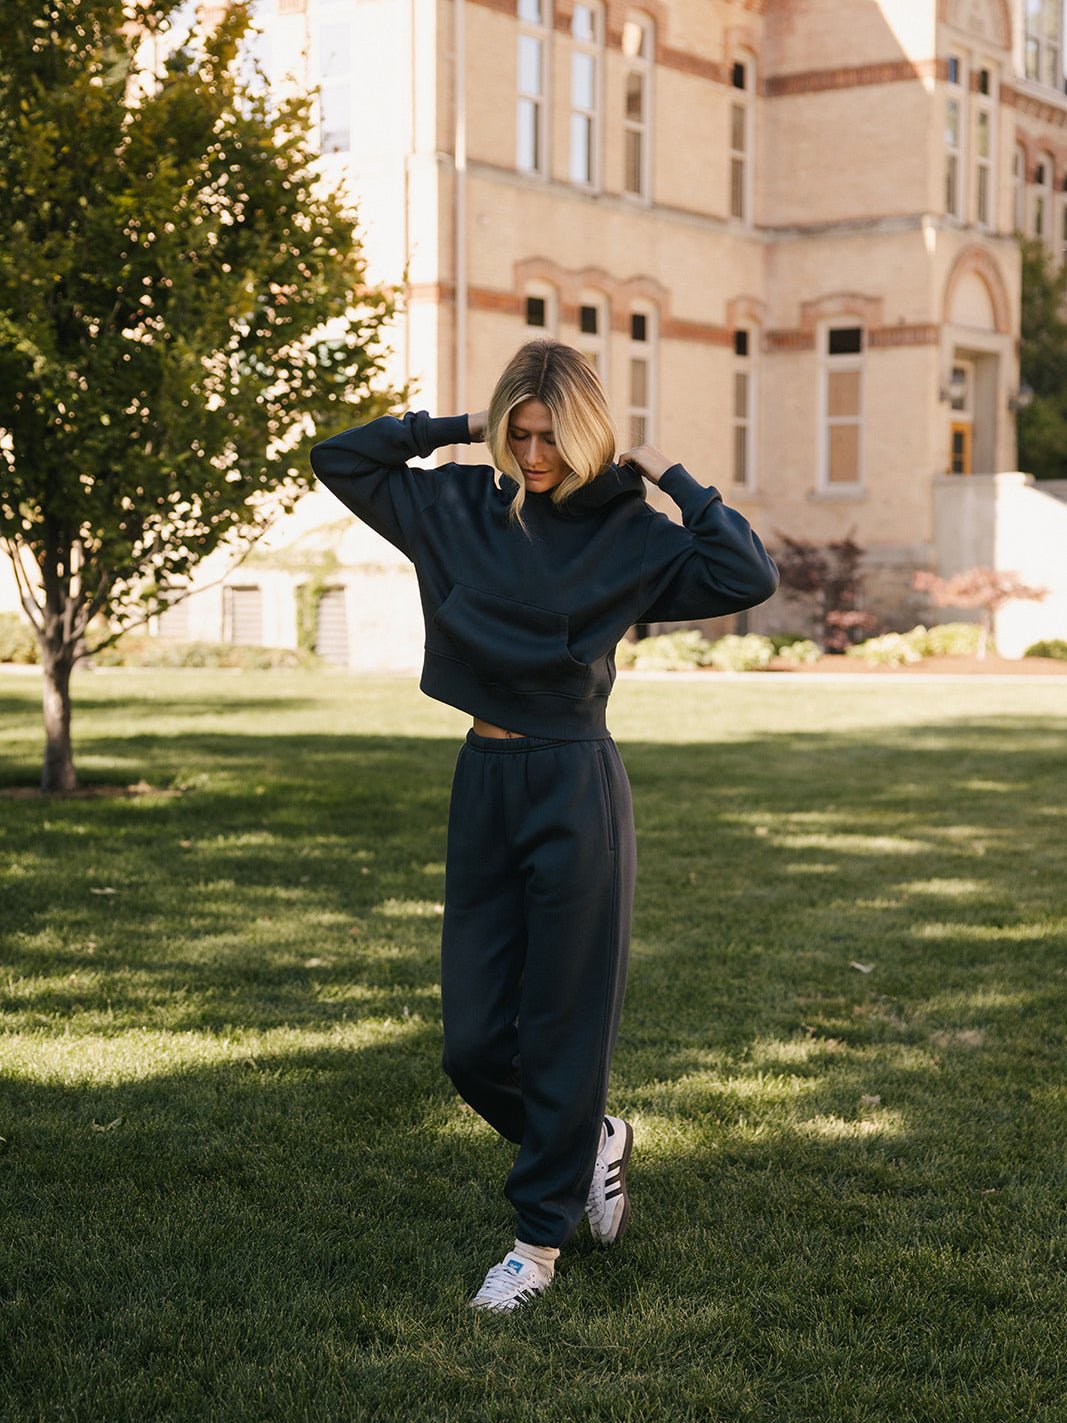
(1049, 647)
(172, 263)
(1042, 426)
(736, 653)
(143, 651)
(17, 640)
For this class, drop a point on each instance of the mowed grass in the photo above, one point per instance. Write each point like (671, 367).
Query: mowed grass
(235, 1184)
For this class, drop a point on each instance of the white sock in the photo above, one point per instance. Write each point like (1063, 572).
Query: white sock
(543, 1256)
(603, 1138)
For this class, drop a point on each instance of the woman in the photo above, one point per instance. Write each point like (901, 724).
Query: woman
(527, 583)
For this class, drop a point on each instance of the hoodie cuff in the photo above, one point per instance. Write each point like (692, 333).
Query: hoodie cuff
(431, 432)
(686, 492)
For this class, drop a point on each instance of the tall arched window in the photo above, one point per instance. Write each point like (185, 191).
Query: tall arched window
(742, 87)
(842, 404)
(531, 115)
(955, 128)
(637, 49)
(641, 373)
(744, 408)
(594, 322)
(1043, 183)
(985, 147)
(540, 309)
(587, 30)
(1018, 188)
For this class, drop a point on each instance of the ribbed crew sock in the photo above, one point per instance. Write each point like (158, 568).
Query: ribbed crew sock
(543, 1256)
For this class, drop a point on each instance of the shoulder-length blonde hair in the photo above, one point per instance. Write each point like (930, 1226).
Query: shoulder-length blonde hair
(561, 378)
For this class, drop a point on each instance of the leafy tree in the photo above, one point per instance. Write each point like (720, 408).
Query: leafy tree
(170, 261)
(829, 578)
(987, 589)
(1042, 426)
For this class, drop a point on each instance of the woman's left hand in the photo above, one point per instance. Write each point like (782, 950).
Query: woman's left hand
(650, 461)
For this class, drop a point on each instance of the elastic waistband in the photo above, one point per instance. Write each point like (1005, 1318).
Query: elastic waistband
(508, 744)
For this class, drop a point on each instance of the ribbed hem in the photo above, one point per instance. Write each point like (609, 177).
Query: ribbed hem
(536, 714)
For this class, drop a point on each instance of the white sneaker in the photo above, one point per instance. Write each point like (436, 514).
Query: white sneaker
(608, 1206)
(513, 1282)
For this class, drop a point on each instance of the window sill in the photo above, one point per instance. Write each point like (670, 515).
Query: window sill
(855, 492)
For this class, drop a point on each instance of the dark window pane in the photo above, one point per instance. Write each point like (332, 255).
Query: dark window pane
(983, 81)
(845, 341)
(638, 326)
(587, 320)
(535, 311)
(953, 69)
(738, 76)
(740, 343)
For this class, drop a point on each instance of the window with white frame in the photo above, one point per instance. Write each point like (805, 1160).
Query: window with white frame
(1063, 223)
(335, 88)
(593, 322)
(954, 130)
(744, 404)
(742, 77)
(641, 375)
(586, 31)
(1018, 181)
(1043, 21)
(637, 51)
(539, 309)
(532, 78)
(984, 149)
(842, 405)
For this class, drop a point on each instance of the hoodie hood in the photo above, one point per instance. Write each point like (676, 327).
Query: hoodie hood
(613, 482)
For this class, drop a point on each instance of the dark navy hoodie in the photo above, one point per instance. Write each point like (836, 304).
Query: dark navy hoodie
(522, 625)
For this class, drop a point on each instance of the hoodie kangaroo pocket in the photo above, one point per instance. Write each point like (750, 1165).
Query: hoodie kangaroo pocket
(510, 643)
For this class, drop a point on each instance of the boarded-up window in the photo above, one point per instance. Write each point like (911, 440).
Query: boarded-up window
(243, 610)
(843, 404)
(331, 627)
(174, 622)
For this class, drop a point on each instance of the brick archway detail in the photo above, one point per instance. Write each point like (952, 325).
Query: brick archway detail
(869, 309)
(977, 260)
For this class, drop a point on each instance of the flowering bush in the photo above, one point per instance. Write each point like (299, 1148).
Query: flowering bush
(734, 653)
(892, 649)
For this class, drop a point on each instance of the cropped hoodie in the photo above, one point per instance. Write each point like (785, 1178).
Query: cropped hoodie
(522, 625)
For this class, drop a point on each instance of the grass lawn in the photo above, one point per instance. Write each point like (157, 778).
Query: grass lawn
(236, 1186)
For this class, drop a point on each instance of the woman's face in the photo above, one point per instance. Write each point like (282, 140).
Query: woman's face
(532, 442)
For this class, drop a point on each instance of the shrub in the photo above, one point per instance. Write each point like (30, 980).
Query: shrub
(948, 640)
(799, 653)
(672, 651)
(892, 649)
(1049, 647)
(778, 640)
(734, 653)
(18, 642)
(145, 651)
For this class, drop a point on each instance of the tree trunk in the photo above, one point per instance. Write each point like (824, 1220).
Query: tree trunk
(57, 773)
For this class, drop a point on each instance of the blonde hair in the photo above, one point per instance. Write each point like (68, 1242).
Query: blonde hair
(563, 380)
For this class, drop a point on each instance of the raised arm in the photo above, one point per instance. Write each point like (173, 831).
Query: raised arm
(367, 468)
(713, 563)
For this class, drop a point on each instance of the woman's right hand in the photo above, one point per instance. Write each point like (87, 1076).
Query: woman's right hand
(476, 425)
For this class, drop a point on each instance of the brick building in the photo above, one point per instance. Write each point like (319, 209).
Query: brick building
(783, 230)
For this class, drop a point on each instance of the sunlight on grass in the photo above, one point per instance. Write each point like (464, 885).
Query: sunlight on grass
(409, 908)
(831, 1128)
(991, 933)
(139, 1054)
(948, 888)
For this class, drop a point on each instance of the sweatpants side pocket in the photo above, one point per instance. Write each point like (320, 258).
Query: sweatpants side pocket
(604, 778)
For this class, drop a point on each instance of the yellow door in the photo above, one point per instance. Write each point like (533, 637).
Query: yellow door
(961, 447)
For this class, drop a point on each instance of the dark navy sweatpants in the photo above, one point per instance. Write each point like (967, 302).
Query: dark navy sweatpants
(539, 888)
